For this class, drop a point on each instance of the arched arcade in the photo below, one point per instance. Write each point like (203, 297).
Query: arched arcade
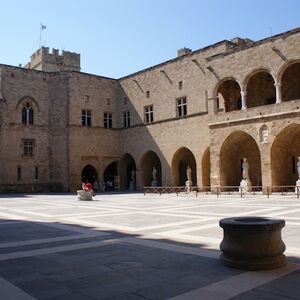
(239, 145)
(183, 158)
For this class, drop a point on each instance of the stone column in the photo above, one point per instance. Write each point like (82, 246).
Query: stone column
(278, 92)
(244, 99)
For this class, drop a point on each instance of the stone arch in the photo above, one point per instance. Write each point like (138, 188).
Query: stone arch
(89, 174)
(228, 93)
(127, 171)
(28, 99)
(206, 168)
(289, 78)
(236, 146)
(26, 108)
(284, 152)
(260, 87)
(183, 158)
(149, 160)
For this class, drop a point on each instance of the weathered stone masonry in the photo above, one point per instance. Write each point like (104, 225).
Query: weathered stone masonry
(241, 97)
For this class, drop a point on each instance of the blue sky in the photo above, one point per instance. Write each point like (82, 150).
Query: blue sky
(118, 37)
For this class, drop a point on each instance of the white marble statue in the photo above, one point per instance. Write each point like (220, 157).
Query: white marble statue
(189, 173)
(245, 166)
(154, 171)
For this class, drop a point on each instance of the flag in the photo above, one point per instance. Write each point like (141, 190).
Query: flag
(43, 26)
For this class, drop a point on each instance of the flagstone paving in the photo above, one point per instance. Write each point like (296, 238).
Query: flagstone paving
(131, 246)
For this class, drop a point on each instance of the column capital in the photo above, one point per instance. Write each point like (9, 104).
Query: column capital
(277, 84)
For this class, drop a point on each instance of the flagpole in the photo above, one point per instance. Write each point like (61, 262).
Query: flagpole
(42, 27)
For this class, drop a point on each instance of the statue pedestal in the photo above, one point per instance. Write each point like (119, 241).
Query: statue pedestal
(297, 188)
(245, 186)
(188, 185)
(154, 183)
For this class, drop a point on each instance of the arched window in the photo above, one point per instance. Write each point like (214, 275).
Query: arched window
(27, 114)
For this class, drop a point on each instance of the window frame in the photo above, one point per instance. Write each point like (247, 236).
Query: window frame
(126, 119)
(86, 117)
(107, 119)
(27, 114)
(181, 107)
(28, 147)
(148, 114)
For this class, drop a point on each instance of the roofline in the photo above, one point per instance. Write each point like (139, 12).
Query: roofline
(215, 56)
(228, 52)
(176, 59)
(254, 44)
(55, 72)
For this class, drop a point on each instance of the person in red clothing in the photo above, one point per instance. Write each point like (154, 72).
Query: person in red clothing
(89, 186)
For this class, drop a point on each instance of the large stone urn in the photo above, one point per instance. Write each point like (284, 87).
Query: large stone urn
(252, 243)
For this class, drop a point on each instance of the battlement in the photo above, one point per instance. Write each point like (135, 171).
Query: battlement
(47, 61)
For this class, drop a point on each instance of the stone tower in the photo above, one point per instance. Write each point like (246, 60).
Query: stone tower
(43, 60)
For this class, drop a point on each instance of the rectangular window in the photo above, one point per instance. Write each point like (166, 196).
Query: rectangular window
(148, 114)
(28, 145)
(181, 107)
(107, 120)
(126, 119)
(180, 85)
(108, 101)
(86, 118)
(36, 173)
(19, 173)
(125, 100)
(148, 94)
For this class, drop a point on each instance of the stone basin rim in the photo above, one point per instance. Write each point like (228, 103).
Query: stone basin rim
(251, 220)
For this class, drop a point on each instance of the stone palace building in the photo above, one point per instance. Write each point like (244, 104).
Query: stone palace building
(207, 109)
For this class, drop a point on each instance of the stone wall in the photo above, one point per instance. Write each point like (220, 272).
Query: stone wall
(96, 146)
(216, 82)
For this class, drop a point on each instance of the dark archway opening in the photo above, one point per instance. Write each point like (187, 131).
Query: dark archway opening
(229, 95)
(149, 161)
(181, 160)
(290, 83)
(261, 90)
(127, 171)
(237, 146)
(89, 174)
(110, 177)
(284, 153)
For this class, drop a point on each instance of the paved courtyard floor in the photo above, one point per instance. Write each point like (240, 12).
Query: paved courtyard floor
(131, 246)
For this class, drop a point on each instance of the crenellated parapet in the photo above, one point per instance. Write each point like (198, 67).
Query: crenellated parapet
(44, 60)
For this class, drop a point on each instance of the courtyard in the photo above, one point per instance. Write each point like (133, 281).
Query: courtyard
(131, 246)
